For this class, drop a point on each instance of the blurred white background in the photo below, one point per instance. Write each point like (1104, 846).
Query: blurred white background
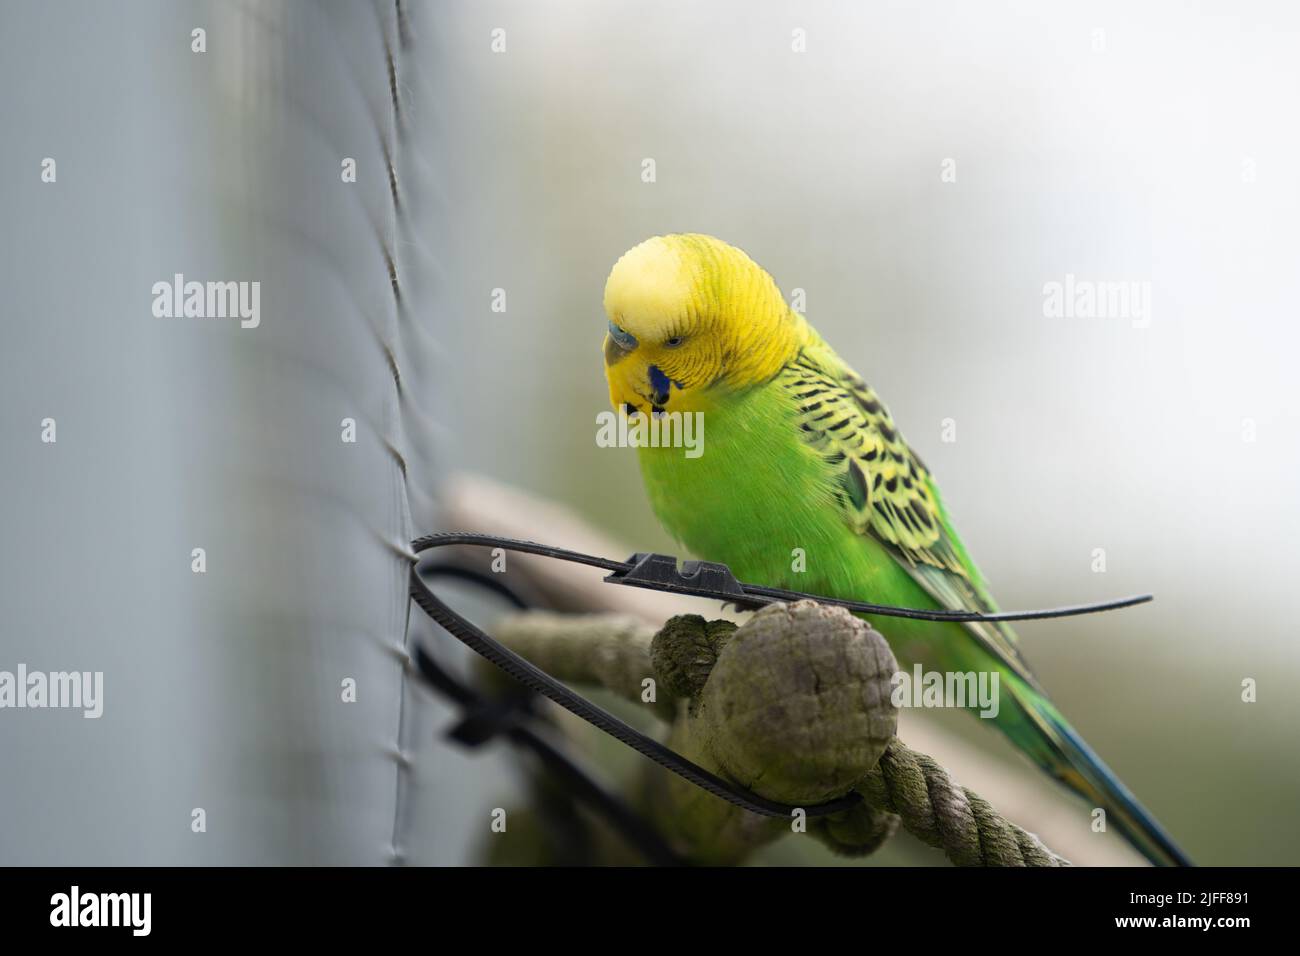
(1117, 142)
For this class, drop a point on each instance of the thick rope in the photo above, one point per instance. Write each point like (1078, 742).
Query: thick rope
(799, 679)
(946, 815)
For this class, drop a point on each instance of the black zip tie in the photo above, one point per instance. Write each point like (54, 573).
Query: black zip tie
(512, 717)
(543, 683)
(696, 578)
(635, 830)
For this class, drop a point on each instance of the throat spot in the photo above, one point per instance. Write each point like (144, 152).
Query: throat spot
(660, 384)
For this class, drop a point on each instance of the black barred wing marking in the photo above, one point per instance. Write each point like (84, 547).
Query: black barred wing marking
(884, 489)
(882, 485)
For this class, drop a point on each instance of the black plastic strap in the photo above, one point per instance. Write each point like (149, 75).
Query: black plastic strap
(707, 579)
(543, 683)
(480, 724)
(697, 578)
(636, 831)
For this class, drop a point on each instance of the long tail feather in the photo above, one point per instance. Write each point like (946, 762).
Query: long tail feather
(1068, 758)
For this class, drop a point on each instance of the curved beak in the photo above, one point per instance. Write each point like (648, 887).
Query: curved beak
(622, 378)
(632, 384)
(614, 351)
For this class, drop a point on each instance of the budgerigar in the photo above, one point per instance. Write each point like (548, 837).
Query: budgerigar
(800, 453)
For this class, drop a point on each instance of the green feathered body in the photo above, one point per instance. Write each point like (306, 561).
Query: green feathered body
(811, 460)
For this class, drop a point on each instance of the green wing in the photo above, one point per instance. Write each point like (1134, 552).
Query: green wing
(885, 490)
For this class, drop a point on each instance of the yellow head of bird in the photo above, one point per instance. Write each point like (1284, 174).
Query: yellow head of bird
(691, 317)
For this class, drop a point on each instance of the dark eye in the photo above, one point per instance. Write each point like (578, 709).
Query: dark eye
(675, 341)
